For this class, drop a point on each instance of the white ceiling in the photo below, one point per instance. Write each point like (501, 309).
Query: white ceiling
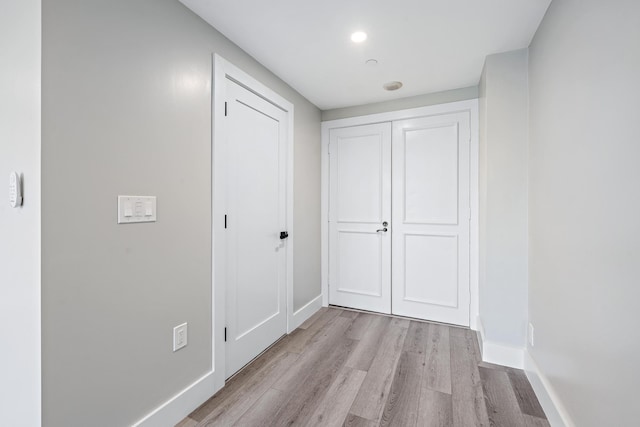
(429, 45)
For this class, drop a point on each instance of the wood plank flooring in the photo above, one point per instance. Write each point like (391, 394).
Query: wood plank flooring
(345, 368)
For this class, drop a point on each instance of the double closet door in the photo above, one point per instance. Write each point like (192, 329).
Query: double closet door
(399, 216)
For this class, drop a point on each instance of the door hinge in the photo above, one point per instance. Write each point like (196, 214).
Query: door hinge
(225, 334)
(225, 222)
(225, 109)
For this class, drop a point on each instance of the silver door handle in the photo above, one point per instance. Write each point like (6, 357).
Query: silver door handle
(382, 229)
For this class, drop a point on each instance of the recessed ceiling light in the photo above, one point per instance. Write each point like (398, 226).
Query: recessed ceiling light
(392, 85)
(358, 37)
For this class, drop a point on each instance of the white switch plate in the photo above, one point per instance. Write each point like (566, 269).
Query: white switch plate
(179, 337)
(132, 209)
(15, 190)
(531, 334)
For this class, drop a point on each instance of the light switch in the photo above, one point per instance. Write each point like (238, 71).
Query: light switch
(148, 208)
(15, 190)
(132, 209)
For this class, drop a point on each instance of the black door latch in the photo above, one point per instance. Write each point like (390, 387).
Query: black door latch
(283, 235)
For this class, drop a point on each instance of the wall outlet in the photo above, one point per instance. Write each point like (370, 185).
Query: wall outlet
(179, 337)
(531, 334)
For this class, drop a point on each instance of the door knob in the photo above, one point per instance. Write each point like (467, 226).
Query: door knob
(382, 229)
(283, 235)
(384, 224)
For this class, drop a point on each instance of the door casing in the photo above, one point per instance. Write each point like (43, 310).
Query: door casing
(222, 70)
(469, 107)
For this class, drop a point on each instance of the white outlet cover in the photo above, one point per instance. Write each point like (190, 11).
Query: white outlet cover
(180, 335)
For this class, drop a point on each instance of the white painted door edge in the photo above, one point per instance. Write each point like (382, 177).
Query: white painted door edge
(470, 106)
(223, 69)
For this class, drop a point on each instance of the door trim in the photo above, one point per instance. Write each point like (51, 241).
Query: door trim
(470, 107)
(222, 70)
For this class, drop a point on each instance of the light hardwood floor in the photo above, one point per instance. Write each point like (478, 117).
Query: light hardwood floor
(358, 369)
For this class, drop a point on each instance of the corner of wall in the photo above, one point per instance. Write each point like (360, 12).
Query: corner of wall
(499, 353)
(503, 270)
(556, 413)
(20, 244)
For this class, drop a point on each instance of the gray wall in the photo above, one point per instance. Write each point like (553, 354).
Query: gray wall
(20, 228)
(127, 110)
(306, 208)
(402, 103)
(503, 198)
(583, 207)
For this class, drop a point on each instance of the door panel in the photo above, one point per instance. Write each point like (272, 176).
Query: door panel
(357, 274)
(256, 213)
(360, 201)
(431, 259)
(360, 171)
(431, 218)
(431, 175)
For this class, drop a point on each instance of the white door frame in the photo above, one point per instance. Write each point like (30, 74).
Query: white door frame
(470, 107)
(222, 70)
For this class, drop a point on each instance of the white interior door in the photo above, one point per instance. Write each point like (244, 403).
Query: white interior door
(431, 218)
(256, 214)
(359, 205)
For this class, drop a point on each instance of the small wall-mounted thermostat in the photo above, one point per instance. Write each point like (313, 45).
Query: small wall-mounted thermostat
(15, 190)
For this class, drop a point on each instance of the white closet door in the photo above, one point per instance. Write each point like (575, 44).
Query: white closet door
(431, 218)
(359, 205)
(256, 213)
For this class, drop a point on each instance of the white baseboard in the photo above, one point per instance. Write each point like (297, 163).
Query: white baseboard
(479, 332)
(305, 312)
(497, 353)
(501, 354)
(520, 358)
(182, 404)
(553, 408)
